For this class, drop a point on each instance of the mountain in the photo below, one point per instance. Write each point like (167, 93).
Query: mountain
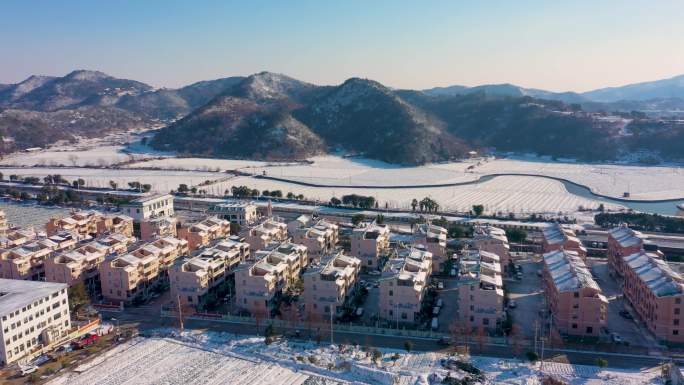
(250, 119)
(659, 89)
(506, 90)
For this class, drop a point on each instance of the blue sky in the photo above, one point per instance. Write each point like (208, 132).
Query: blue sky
(574, 45)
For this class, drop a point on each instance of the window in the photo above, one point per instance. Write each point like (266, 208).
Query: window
(574, 326)
(678, 301)
(675, 332)
(575, 294)
(404, 316)
(590, 330)
(676, 322)
(485, 321)
(676, 311)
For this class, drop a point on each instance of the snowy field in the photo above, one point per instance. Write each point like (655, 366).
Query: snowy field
(213, 358)
(613, 180)
(30, 215)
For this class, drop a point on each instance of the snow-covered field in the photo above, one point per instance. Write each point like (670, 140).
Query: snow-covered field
(30, 215)
(641, 182)
(213, 358)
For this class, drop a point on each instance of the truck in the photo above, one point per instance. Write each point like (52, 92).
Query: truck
(86, 340)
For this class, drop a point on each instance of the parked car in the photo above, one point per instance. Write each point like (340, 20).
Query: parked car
(440, 303)
(452, 272)
(86, 340)
(440, 285)
(376, 284)
(444, 341)
(518, 276)
(435, 323)
(625, 314)
(616, 338)
(374, 272)
(539, 273)
(435, 310)
(359, 312)
(27, 369)
(512, 304)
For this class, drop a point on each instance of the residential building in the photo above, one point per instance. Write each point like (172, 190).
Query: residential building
(434, 239)
(4, 227)
(82, 264)
(152, 206)
(260, 280)
(242, 213)
(655, 292)
(403, 285)
(557, 236)
(192, 278)
(329, 284)
(27, 261)
(493, 240)
(269, 231)
(319, 238)
(369, 243)
(158, 227)
(32, 314)
(91, 223)
(480, 289)
(623, 241)
(575, 300)
(17, 237)
(201, 233)
(122, 278)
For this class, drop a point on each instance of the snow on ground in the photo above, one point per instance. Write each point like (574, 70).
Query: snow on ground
(613, 180)
(199, 164)
(161, 180)
(506, 194)
(198, 357)
(24, 215)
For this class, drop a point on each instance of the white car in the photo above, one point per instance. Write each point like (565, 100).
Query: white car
(440, 285)
(374, 272)
(512, 304)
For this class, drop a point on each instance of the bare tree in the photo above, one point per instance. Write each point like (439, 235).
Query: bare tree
(73, 158)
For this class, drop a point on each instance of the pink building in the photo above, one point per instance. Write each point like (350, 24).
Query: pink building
(493, 240)
(370, 242)
(329, 284)
(258, 281)
(575, 300)
(480, 289)
(17, 237)
(319, 238)
(125, 277)
(558, 237)
(623, 241)
(434, 239)
(93, 223)
(403, 285)
(269, 231)
(192, 278)
(27, 261)
(158, 227)
(655, 292)
(82, 264)
(201, 233)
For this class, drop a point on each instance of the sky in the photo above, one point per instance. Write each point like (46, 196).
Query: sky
(560, 46)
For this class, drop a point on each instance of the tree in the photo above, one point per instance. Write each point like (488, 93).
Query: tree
(380, 219)
(290, 195)
(414, 204)
(376, 355)
(601, 362)
(193, 190)
(266, 193)
(408, 346)
(78, 296)
(1, 176)
(234, 228)
(516, 235)
(358, 218)
(335, 202)
(112, 184)
(478, 210)
(532, 356)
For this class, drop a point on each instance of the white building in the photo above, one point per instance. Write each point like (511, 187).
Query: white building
(242, 213)
(31, 314)
(153, 206)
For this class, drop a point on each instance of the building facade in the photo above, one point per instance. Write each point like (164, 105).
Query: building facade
(480, 289)
(329, 284)
(403, 285)
(369, 243)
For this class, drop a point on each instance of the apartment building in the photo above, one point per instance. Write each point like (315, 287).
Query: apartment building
(329, 284)
(122, 278)
(159, 227)
(403, 285)
(242, 213)
(655, 292)
(4, 226)
(153, 206)
(319, 237)
(192, 278)
(557, 236)
(82, 264)
(201, 233)
(91, 223)
(370, 242)
(480, 289)
(17, 237)
(575, 300)
(32, 314)
(434, 239)
(260, 280)
(27, 261)
(623, 241)
(269, 231)
(493, 240)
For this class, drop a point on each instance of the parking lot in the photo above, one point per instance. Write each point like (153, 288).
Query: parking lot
(527, 295)
(627, 328)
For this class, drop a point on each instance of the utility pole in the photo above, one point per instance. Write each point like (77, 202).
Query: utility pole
(332, 342)
(180, 314)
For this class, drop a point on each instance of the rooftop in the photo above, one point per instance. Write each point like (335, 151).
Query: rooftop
(660, 278)
(568, 271)
(15, 294)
